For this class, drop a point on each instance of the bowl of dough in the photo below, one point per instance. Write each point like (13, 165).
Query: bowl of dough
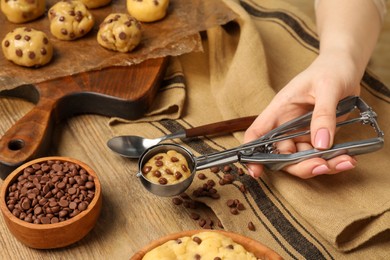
(51, 202)
(205, 244)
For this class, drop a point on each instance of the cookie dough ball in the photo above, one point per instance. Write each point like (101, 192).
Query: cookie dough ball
(70, 19)
(91, 4)
(27, 47)
(119, 32)
(21, 11)
(147, 10)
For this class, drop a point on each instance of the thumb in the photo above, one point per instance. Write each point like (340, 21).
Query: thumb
(323, 124)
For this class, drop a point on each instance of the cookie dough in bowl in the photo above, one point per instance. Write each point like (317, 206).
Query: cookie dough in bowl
(202, 244)
(119, 32)
(27, 47)
(70, 20)
(147, 10)
(21, 11)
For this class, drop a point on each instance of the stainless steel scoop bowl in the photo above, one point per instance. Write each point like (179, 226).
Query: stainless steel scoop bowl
(262, 150)
(169, 189)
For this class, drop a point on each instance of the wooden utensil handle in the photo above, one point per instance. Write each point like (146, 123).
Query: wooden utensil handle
(223, 127)
(28, 136)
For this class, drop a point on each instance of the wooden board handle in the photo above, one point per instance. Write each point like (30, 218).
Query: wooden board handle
(224, 127)
(28, 136)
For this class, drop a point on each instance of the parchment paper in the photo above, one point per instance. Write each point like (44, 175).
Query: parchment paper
(176, 34)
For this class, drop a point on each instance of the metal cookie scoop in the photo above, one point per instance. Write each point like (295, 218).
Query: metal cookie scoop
(134, 146)
(262, 150)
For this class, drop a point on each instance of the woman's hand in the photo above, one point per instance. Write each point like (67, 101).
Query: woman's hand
(330, 78)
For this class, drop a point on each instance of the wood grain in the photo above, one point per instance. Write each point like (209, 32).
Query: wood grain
(125, 92)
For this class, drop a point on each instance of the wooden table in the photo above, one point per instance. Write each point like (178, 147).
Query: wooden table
(131, 217)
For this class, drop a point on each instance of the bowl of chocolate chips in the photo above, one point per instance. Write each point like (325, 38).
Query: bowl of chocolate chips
(51, 202)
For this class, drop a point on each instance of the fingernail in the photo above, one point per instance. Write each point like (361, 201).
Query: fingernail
(251, 173)
(322, 139)
(321, 169)
(344, 166)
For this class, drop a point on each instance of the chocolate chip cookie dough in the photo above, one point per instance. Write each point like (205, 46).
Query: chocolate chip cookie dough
(27, 47)
(166, 168)
(92, 4)
(204, 245)
(21, 11)
(147, 10)
(70, 19)
(119, 32)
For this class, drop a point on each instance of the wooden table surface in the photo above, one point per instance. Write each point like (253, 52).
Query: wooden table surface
(131, 217)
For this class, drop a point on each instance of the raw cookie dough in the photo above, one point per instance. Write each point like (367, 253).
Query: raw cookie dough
(147, 10)
(119, 32)
(204, 245)
(91, 4)
(70, 19)
(27, 47)
(21, 11)
(166, 168)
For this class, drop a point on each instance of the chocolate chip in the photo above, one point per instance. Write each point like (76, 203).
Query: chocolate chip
(27, 38)
(159, 163)
(234, 211)
(19, 53)
(6, 43)
(178, 175)
(194, 215)
(227, 168)
(36, 197)
(214, 169)
(146, 169)
(31, 55)
(177, 201)
(157, 174)
(202, 176)
(197, 240)
(174, 159)
(64, 31)
(18, 37)
(251, 226)
(162, 181)
(184, 168)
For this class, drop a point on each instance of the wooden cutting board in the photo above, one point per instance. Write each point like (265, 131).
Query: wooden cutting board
(125, 92)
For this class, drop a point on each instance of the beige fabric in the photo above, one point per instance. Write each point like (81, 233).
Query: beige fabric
(243, 65)
(169, 101)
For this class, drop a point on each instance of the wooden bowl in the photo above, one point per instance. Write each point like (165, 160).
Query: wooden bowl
(56, 235)
(251, 245)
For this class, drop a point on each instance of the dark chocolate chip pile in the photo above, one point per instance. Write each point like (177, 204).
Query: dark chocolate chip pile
(50, 192)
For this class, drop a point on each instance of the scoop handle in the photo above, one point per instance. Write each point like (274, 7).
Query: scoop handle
(223, 127)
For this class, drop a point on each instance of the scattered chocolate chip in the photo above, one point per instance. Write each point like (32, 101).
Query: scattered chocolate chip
(177, 201)
(202, 176)
(251, 226)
